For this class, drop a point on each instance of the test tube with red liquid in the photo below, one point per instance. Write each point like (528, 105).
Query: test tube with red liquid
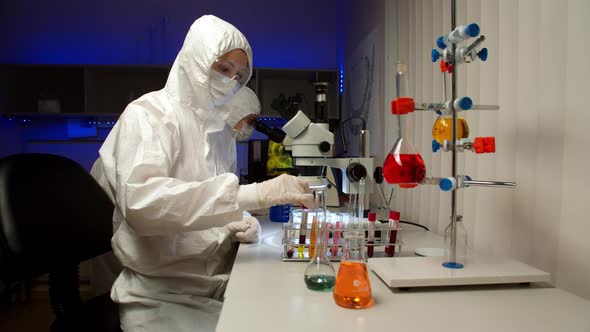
(336, 238)
(302, 233)
(371, 240)
(393, 225)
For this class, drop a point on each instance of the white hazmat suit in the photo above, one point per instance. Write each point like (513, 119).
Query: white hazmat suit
(245, 104)
(174, 194)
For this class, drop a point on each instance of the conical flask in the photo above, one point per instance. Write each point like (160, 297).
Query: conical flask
(353, 287)
(319, 273)
(443, 128)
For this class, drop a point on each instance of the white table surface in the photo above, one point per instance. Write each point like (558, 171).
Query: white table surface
(266, 294)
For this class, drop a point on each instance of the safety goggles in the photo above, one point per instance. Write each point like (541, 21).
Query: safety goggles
(232, 70)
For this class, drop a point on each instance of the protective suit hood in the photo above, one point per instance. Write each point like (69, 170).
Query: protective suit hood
(208, 38)
(243, 104)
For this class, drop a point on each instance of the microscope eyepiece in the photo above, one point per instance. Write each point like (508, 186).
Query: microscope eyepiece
(274, 134)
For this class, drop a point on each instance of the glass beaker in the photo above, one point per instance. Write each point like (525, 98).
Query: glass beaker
(319, 273)
(456, 261)
(443, 128)
(353, 287)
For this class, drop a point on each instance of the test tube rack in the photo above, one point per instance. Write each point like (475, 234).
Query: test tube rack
(290, 242)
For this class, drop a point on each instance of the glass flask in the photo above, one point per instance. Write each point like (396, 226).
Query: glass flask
(456, 261)
(443, 129)
(319, 273)
(353, 287)
(403, 165)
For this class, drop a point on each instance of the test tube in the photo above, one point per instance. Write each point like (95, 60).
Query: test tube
(327, 237)
(336, 238)
(371, 241)
(302, 233)
(361, 203)
(352, 211)
(289, 240)
(312, 236)
(392, 232)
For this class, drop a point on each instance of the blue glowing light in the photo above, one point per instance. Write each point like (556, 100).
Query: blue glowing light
(341, 80)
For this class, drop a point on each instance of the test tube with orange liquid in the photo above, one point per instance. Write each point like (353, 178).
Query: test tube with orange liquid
(312, 237)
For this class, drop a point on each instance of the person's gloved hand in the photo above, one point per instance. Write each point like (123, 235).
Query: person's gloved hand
(284, 189)
(245, 231)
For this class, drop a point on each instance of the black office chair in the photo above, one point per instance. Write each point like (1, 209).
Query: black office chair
(54, 215)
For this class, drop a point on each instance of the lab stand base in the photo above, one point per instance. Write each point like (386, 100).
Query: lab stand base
(409, 272)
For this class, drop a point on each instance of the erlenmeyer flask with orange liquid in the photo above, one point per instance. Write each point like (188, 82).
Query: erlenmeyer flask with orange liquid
(353, 287)
(403, 165)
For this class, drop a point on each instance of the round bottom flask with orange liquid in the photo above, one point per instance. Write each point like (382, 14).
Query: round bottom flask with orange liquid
(443, 129)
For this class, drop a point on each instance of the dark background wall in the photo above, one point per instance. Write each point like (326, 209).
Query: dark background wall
(283, 34)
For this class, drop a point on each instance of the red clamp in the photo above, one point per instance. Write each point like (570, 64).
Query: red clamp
(445, 67)
(484, 144)
(402, 105)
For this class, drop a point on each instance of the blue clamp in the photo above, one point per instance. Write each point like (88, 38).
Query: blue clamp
(472, 30)
(465, 103)
(447, 184)
(468, 178)
(435, 145)
(435, 55)
(440, 42)
(483, 54)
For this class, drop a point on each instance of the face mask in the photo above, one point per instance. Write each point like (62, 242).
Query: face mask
(244, 133)
(221, 88)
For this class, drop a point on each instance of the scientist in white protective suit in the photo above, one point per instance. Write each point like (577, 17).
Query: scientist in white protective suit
(240, 115)
(176, 200)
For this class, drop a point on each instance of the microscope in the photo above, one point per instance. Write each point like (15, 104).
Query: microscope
(311, 145)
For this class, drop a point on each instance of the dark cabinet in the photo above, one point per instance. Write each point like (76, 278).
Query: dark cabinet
(111, 89)
(92, 90)
(107, 90)
(41, 89)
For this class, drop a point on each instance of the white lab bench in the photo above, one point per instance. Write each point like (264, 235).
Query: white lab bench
(266, 294)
